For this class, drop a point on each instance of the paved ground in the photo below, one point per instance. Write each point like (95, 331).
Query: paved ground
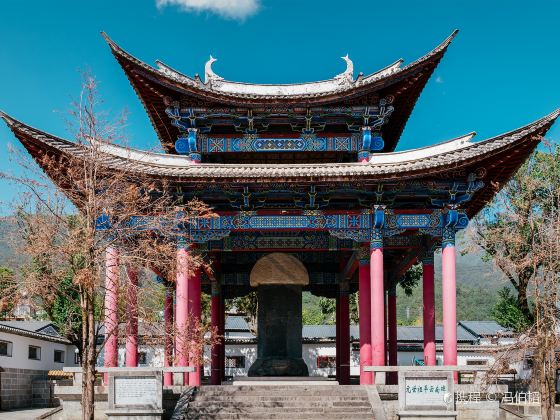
(29, 414)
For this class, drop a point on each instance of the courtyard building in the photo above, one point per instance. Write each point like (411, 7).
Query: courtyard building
(29, 350)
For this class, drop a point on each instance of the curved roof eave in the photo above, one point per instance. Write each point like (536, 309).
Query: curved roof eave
(498, 157)
(433, 159)
(191, 86)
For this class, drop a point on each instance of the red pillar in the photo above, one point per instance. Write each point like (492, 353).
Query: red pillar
(337, 328)
(168, 347)
(449, 297)
(182, 312)
(344, 330)
(364, 306)
(392, 333)
(385, 324)
(221, 333)
(377, 304)
(111, 356)
(131, 358)
(215, 304)
(429, 311)
(195, 310)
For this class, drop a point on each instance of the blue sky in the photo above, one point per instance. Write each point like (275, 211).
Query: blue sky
(502, 70)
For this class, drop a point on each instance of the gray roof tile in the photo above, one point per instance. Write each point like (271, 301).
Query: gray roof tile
(485, 328)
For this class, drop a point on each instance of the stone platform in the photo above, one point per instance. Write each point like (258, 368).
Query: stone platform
(262, 400)
(282, 380)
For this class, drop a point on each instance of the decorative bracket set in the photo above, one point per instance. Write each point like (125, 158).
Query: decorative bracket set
(196, 124)
(368, 226)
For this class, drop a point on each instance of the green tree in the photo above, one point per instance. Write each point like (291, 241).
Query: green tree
(507, 313)
(311, 315)
(64, 311)
(411, 279)
(248, 306)
(328, 309)
(7, 285)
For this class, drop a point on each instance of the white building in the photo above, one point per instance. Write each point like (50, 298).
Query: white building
(28, 351)
(477, 342)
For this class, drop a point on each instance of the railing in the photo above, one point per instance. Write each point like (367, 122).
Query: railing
(426, 368)
(77, 371)
(104, 369)
(459, 369)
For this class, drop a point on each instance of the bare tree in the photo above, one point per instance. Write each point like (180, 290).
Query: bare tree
(520, 231)
(90, 210)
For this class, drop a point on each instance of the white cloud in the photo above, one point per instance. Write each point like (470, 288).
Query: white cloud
(230, 9)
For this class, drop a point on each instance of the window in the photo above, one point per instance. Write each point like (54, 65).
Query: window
(59, 356)
(477, 362)
(235, 362)
(77, 359)
(5, 348)
(142, 359)
(34, 353)
(326, 362)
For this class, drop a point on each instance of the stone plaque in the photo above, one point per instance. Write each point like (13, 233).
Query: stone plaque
(426, 391)
(136, 391)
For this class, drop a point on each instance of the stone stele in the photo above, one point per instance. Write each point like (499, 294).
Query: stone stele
(279, 268)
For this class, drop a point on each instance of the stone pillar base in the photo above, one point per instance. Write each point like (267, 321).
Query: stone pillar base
(278, 367)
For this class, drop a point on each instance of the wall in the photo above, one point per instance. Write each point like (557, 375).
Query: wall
(22, 388)
(247, 350)
(310, 352)
(20, 360)
(24, 381)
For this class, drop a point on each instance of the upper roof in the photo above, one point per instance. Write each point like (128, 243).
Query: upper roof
(158, 87)
(493, 160)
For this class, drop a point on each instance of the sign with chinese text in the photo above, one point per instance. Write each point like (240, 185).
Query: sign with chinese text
(426, 391)
(136, 391)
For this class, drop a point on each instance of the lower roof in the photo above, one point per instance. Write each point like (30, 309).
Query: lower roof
(493, 160)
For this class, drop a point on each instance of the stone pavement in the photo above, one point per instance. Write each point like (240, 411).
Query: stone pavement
(25, 414)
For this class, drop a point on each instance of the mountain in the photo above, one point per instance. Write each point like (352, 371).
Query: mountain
(478, 282)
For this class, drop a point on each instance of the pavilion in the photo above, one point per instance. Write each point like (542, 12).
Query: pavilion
(310, 195)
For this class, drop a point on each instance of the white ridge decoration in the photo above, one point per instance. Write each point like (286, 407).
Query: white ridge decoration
(209, 75)
(343, 80)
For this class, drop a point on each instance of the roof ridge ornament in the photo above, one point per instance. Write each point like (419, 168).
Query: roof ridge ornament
(347, 76)
(209, 75)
